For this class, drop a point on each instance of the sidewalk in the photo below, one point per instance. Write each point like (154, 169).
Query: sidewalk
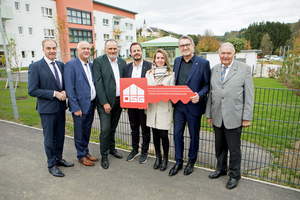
(24, 175)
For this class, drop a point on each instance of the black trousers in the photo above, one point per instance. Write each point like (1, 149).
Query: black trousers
(228, 139)
(137, 118)
(162, 135)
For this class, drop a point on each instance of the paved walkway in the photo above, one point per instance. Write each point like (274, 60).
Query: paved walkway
(24, 175)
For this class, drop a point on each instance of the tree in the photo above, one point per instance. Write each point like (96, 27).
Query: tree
(249, 45)
(266, 45)
(208, 43)
(278, 32)
(61, 35)
(238, 43)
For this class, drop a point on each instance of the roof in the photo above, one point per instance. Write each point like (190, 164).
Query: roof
(110, 6)
(149, 30)
(154, 29)
(161, 42)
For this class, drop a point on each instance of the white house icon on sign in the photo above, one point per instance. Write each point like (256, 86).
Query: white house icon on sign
(133, 94)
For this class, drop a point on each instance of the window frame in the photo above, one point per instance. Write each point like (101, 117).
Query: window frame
(30, 27)
(104, 20)
(27, 3)
(48, 13)
(20, 27)
(49, 30)
(81, 34)
(74, 18)
(19, 7)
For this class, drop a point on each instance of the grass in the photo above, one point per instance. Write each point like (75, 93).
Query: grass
(4, 73)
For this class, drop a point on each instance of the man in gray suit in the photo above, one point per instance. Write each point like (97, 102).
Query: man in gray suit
(229, 109)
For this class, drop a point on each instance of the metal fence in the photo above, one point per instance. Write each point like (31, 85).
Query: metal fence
(270, 147)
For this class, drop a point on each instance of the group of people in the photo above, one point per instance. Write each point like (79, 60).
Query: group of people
(224, 94)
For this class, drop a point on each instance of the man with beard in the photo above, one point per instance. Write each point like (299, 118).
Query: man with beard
(108, 69)
(137, 117)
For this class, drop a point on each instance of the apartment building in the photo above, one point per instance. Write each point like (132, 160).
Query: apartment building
(30, 21)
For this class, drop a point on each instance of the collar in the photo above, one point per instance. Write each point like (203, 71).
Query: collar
(141, 64)
(48, 61)
(83, 62)
(192, 59)
(228, 67)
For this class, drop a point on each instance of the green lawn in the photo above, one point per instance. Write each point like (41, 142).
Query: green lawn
(268, 83)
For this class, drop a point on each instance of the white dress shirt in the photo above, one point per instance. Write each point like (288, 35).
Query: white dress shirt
(88, 74)
(227, 69)
(115, 68)
(136, 70)
(48, 61)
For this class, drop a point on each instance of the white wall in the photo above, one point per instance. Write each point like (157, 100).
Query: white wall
(34, 19)
(100, 29)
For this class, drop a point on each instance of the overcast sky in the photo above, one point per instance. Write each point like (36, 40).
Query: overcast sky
(220, 16)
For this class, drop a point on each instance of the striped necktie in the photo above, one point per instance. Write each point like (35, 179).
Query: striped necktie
(223, 73)
(56, 75)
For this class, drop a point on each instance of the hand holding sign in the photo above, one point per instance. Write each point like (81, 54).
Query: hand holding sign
(135, 93)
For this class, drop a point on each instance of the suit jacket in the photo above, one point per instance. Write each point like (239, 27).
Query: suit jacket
(128, 69)
(159, 115)
(42, 84)
(231, 101)
(105, 80)
(77, 86)
(198, 81)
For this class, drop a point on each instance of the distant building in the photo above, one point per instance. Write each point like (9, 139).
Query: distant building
(29, 22)
(149, 32)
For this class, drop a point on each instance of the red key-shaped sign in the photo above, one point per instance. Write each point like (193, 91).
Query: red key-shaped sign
(135, 93)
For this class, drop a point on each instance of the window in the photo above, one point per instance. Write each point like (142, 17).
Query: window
(73, 53)
(105, 22)
(46, 12)
(95, 35)
(131, 38)
(126, 37)
(106, 37)
(33, 54)
(30, 31)
(126, 24)
(117, 37)
(116, 22)
(94, 20)
(27, 7)
(49, 33)
(78, 17)
(20, 30)
(23, 54)
(77, 35)
(130, 26)
(17, 5)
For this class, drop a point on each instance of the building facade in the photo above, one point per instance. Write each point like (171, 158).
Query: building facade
(28, 22)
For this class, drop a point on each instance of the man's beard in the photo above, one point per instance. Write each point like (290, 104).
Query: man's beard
(137, 58)
(112, 57)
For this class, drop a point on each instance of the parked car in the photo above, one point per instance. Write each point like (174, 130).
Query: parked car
(267, 57)
(275, 58)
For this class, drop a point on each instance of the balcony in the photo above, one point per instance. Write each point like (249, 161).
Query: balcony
(6, 12)
(9, 35)
(122, 28)
(122, 43)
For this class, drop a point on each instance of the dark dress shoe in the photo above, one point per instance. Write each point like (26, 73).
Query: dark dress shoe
(164, 164)
(157, 162)
(65, 163)
(55, 171)
(104, 162)
(115, 153)
(232, 183)
(189, 169)
(175, 169)
(216, 174)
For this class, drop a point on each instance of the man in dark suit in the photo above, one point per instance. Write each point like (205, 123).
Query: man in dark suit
(81, 92)
(137, 117)
(45, 82)
(194, 72)
(108, 69)
(229, 108)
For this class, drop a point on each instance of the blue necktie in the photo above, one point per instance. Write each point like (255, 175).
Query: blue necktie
(56, 75)
(223, 73)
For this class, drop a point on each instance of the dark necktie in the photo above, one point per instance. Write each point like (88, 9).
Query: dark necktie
(223, 73)
(56, 75)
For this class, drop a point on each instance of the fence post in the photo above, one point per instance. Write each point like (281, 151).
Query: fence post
(10, 81)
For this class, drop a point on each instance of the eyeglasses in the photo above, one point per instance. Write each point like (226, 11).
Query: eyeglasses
(185, 45)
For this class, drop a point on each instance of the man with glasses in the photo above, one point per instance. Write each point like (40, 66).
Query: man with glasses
(194, 72)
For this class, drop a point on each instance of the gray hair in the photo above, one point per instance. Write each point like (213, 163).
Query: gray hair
(48, 39)
(227, 44)
(110, 40)
(79, 43)
(185, 37)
